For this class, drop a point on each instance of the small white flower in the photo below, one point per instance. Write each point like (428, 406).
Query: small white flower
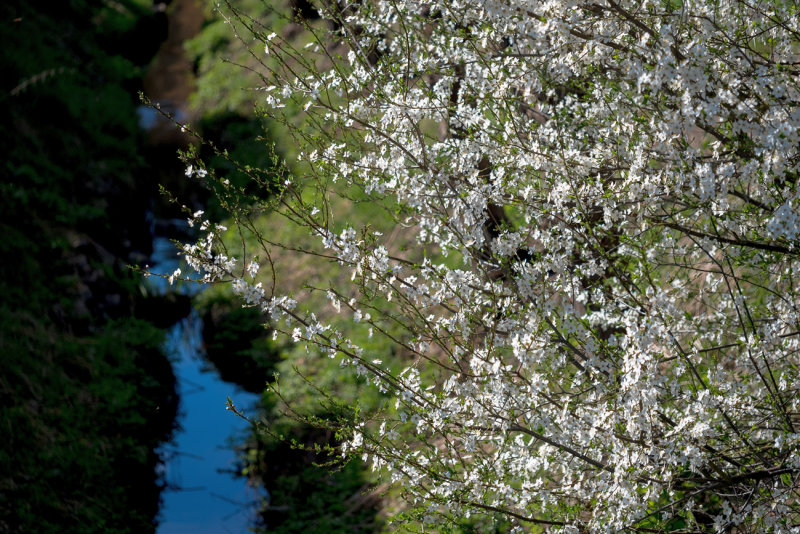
(173, 276)
(270, 37)
(252, 268)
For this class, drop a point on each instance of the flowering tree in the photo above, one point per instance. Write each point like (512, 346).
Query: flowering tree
(595, 293)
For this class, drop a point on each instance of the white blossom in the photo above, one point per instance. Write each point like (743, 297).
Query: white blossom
(595, 303)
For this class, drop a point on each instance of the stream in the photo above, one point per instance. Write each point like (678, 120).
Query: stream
(203, 495)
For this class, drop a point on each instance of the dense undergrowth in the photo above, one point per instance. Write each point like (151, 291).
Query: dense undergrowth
(86, 394)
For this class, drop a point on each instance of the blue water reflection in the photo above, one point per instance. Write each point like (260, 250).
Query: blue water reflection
(202, 496)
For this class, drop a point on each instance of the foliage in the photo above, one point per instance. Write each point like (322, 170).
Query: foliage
(86, 395)
(236, 343)
(222, 85)
(81, 419)
(308, 489)
(595, 294)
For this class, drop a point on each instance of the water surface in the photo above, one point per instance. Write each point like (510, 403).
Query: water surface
(203, 495)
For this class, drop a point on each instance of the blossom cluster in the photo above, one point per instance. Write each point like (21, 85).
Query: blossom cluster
(598, 313)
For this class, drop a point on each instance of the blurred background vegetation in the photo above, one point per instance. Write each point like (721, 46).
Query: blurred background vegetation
(87, 395)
